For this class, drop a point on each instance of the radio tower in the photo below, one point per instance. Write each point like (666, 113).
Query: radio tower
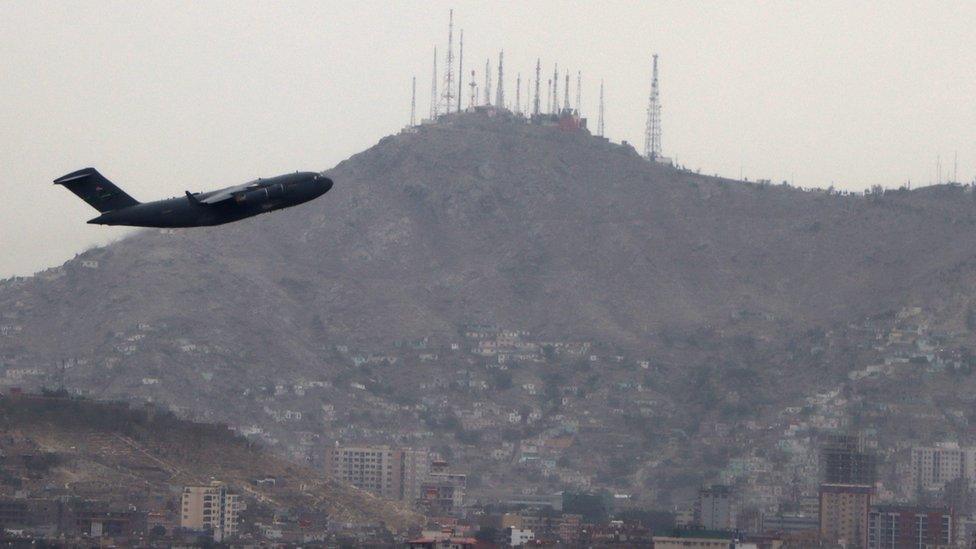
(535, 103)
(566, 93)
(518, 93)
(652, 134)
(487, 82)
(549, 97)
(500, 85)
(579, 86)
(413, 104)
(460, 70)
(554, 106)
(599, 123)
(433, 89)
(474, 91)
(448, 96)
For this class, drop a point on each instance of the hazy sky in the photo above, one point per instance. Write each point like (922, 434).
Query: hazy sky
(167, 96)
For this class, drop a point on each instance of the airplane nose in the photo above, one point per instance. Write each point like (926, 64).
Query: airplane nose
(325, 182)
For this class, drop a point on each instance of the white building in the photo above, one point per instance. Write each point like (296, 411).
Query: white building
(520, 536)
(933, 466)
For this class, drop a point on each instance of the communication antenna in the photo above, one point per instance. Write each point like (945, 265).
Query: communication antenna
(500, 86)
(599, 124)
(413, 104)
(555, 89)
(433, 89)
(535, 103)
(460, 69)
(579, 87)
(652, 132)
(449, 69)
(566, 93)
(549, 97)
(487, 82)
(518, 93)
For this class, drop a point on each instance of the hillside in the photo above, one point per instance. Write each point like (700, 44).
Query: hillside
(344, 318)
(107, 450)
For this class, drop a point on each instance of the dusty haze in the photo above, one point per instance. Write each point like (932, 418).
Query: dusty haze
(163, 97)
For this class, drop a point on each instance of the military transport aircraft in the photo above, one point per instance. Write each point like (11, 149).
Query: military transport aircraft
(194, 209)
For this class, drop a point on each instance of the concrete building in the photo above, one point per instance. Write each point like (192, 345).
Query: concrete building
(443, 491)
(844, 514)
(932, 467)
(397, 474)
(211, 509)
(415, 470)
(714, 509)
(908, 527)
(844, 459)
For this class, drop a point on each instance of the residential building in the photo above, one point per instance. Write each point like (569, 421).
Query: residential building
(443, 491)
(844, 514)
(714, 508)
(932, 467)
(909, 527)
(211, 508)
(392, 473)
(415, 469)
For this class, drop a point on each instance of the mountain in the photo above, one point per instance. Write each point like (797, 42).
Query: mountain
(485, 220)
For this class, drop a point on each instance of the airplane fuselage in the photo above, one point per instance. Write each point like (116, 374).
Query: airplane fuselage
(227, 205)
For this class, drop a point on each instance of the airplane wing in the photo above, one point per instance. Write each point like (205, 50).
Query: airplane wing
(228, 193)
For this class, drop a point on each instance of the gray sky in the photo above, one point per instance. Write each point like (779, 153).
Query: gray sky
(167, 96)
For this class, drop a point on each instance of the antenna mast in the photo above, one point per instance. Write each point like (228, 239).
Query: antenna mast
(535, 104)
(460, 69)
(566, 93)
(599, 124)
(413, 104)
(500, 85)
(518, 93)
(579, 87)
(652, 133)
(487, 82)
(433, 89)
(554, 106)
(549, 97)
(449, 70)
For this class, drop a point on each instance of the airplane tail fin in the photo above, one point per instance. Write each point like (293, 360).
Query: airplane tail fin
(98, 192)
